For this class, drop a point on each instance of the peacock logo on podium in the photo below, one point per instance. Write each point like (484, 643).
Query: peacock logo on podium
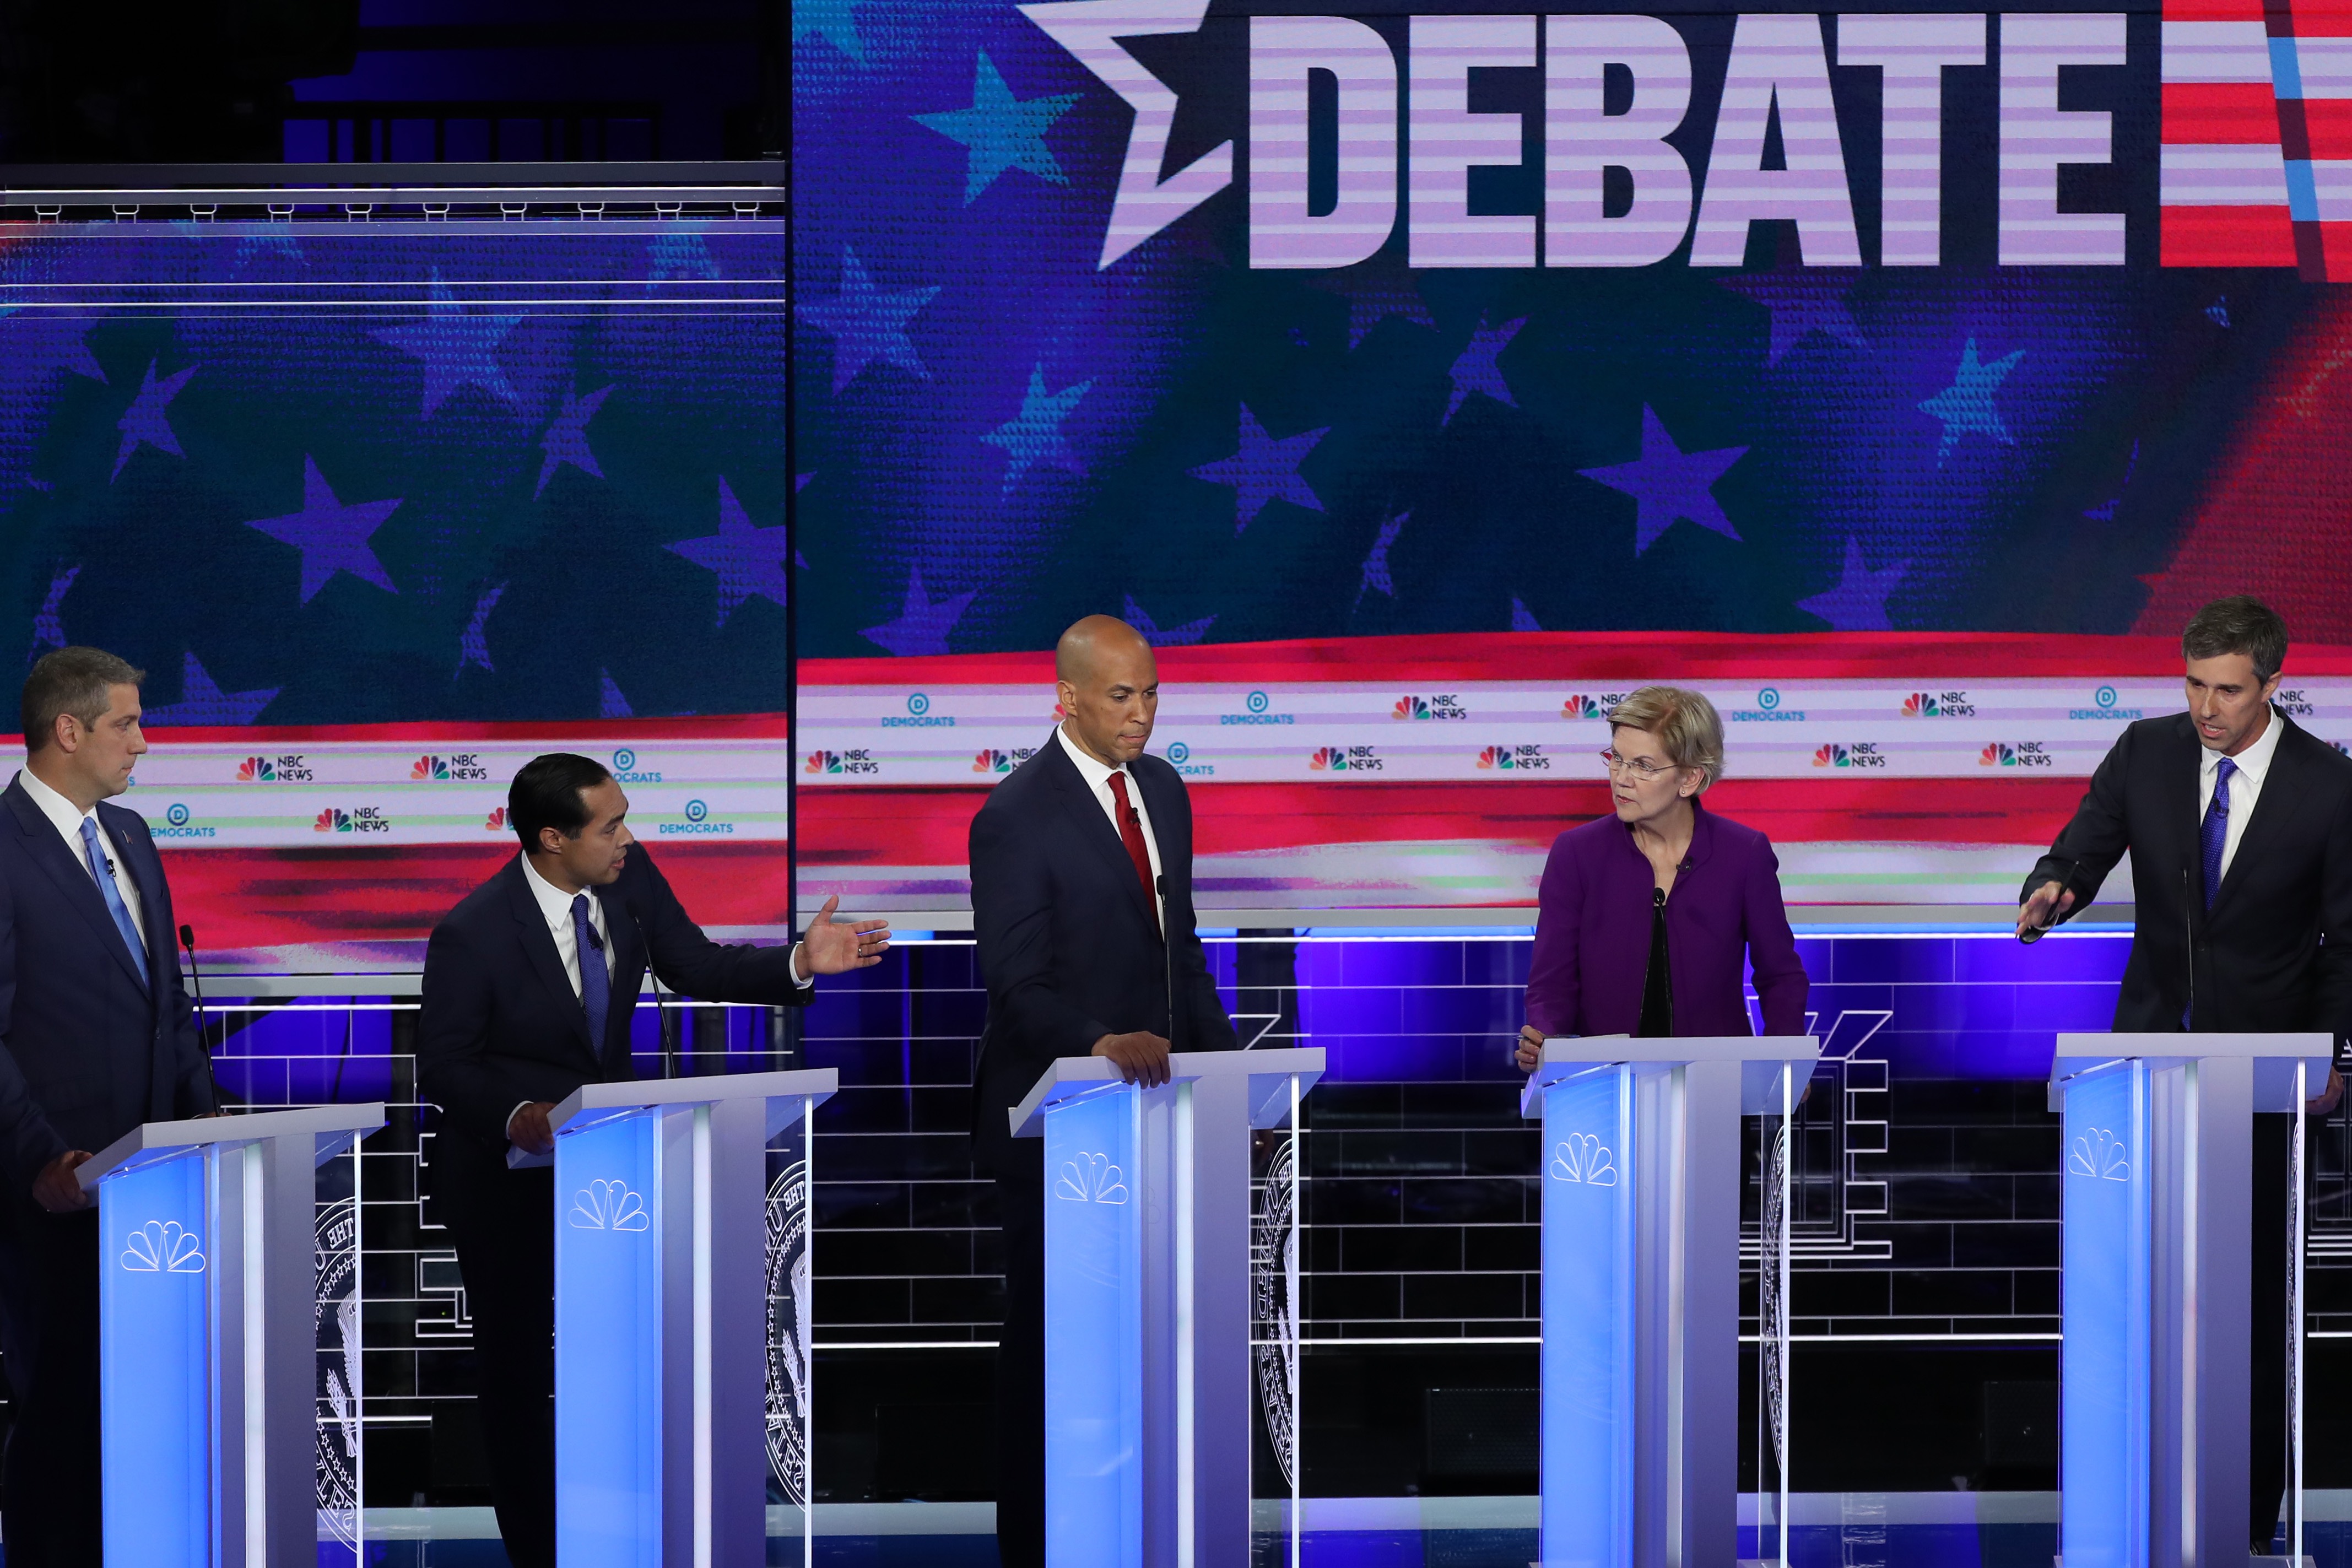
(1585, 1158)
(2100, 1155)
(608, 1205)
(1091, 1179)
(163, 1246)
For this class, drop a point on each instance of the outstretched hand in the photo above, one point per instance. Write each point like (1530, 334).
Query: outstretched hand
(835, 947)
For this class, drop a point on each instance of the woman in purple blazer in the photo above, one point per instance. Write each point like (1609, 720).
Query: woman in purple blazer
(1645, 918)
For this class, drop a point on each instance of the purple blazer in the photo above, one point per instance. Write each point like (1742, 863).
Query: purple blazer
(1592, 933)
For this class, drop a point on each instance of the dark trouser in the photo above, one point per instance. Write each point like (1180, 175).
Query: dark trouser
(49, 1508)
(503, 1223)
(1020, 1375)
(2266, 1422)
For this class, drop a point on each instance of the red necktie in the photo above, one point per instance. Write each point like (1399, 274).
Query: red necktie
(1130, 833)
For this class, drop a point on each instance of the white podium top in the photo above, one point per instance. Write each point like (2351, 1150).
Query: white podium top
(591, 1103)
(331, 1128)
(1269, 1074)
(2275, 1058)
(1761, 1057)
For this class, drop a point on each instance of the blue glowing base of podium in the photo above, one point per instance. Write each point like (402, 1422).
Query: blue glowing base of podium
(1093, 1331)
(2156, 1310)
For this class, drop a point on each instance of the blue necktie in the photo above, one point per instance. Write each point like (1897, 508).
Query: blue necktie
(2215, 832)
(595, 981)
(113, 896)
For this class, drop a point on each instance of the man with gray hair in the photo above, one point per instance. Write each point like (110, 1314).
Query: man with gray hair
(2239, 824)
(96, 1037)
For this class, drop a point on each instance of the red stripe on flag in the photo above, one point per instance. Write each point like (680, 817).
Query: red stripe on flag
(2226, 237)
(2240, 113)
(2212, 10)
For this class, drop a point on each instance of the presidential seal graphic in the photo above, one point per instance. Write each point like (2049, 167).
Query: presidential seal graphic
(1274, 1307)
(788, 1331)
(335, 1322)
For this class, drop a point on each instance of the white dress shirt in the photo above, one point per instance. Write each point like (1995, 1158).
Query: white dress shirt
(1097, 777)
(67, 819)
(2245, 784)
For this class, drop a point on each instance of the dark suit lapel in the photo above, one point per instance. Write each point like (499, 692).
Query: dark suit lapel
(2273, 808)
(71, 875)
(538, 945)
(1092, 825)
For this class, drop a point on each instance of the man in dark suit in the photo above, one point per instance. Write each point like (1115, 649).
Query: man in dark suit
(530, 984)
(1082, 901)
(96, 1037)
(2238, 825)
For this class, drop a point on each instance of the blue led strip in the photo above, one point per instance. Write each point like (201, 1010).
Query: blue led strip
(1094, 1332)
(608, 1344)
(155, 1241)
(2104, 1363)
(1587, 1321)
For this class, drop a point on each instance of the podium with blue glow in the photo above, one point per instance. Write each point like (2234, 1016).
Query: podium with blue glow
(1641, 1291)
(1148, 1302)
(667, 1306)
(208, 1278)
(2153, 1373)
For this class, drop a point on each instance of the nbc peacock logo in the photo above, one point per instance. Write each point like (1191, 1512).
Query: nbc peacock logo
(256, 769)
(1919, 705)
(429, 768)
(497, 820)
(1328, 759)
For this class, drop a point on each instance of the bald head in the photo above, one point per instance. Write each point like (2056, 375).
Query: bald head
(1108, 686)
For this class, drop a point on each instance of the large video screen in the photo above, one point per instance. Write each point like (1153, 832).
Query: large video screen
(1366, 358)
(385, 510)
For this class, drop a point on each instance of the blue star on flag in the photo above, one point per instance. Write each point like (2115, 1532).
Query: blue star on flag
(145, 419)
(831, 20)
(1000, 131)
(48, 624)
(454, 347)
(1376, 565)
(610, 703)
(1966, 408)
(566, 440)
(1522, 618)
(867, 323)
(749, 561)
(202, 702)
(32, 346)
(1858, 603)
(1172, 637)
(331, 536)
(1263, 469)
(1373, 300)
(1668, 484)
(1033, 436)
(1800, 301)
(1475, 369)
(923, 623)
(473, 643)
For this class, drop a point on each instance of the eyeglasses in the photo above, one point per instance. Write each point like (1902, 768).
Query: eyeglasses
(1640, 768)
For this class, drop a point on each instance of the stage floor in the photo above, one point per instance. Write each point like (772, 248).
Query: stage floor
(1832, 1530)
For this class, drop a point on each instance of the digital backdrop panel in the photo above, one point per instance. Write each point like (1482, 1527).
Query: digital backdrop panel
(386, 509)
(1452, 350)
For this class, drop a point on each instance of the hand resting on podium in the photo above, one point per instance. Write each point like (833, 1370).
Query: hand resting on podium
(57, 1189)
(1142, 1057)
(527, 1130)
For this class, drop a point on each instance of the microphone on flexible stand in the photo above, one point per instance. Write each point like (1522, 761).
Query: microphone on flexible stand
(661, 1008)
(1169, 967)
(196, 984)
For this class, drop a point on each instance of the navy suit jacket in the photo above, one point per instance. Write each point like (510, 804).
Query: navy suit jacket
(1068, 948)
(2274, 953)
(87, 1052)
(499, 1023)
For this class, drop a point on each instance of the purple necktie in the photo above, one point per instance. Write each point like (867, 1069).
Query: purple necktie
(2215, 831)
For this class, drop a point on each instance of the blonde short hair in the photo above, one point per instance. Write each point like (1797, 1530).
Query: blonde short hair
(1685, 722)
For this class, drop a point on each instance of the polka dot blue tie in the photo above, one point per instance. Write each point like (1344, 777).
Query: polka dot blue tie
(113, 896)
(2215, 831)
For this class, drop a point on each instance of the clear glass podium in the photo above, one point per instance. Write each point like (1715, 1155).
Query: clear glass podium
(2154, 1374)
(1641, 1293)
(207, 1354)
(1148, 1302)
(665, 1321)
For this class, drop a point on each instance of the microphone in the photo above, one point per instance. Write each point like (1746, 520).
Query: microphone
(196, 984)
(1169, 948)
(661, 1008)
(2188, 931)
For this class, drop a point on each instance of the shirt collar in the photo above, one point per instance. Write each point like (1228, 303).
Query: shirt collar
(1095, 774)
(554, 901)
(2255, 760)
(55, 807)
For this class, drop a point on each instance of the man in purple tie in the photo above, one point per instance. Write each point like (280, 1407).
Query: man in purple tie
(2239, 824)
(531, 984)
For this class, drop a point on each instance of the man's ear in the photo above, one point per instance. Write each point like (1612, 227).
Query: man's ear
(64, 731)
